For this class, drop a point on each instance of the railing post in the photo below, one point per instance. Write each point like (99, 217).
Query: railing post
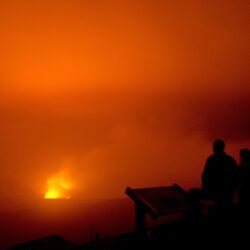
(140, 221)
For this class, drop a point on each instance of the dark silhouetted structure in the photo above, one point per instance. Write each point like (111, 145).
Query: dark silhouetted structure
(159, 201)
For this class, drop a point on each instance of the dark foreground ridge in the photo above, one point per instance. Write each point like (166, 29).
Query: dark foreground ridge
(194, 231)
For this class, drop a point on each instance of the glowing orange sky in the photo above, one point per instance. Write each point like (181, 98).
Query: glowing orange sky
(131, 91)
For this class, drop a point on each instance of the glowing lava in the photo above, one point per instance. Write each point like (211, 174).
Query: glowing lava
(58, 187)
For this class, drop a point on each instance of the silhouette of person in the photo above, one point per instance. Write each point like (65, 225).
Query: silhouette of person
(244, 182)
(219, 177)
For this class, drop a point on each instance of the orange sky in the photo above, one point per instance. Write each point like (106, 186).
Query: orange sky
(119, 92)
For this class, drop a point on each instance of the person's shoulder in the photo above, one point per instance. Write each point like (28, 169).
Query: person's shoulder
(210, 158)
(231, 159)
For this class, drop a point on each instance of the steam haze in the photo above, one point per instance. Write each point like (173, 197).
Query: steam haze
(119, 93)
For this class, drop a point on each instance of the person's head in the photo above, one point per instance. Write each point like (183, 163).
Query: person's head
(245, 156)
(218, 146)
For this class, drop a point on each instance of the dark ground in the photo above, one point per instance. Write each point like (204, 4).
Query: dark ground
(217, 230)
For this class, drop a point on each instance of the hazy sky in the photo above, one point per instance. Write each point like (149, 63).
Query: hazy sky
(119, 93)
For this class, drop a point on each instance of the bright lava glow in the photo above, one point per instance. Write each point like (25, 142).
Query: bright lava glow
(58, 187)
